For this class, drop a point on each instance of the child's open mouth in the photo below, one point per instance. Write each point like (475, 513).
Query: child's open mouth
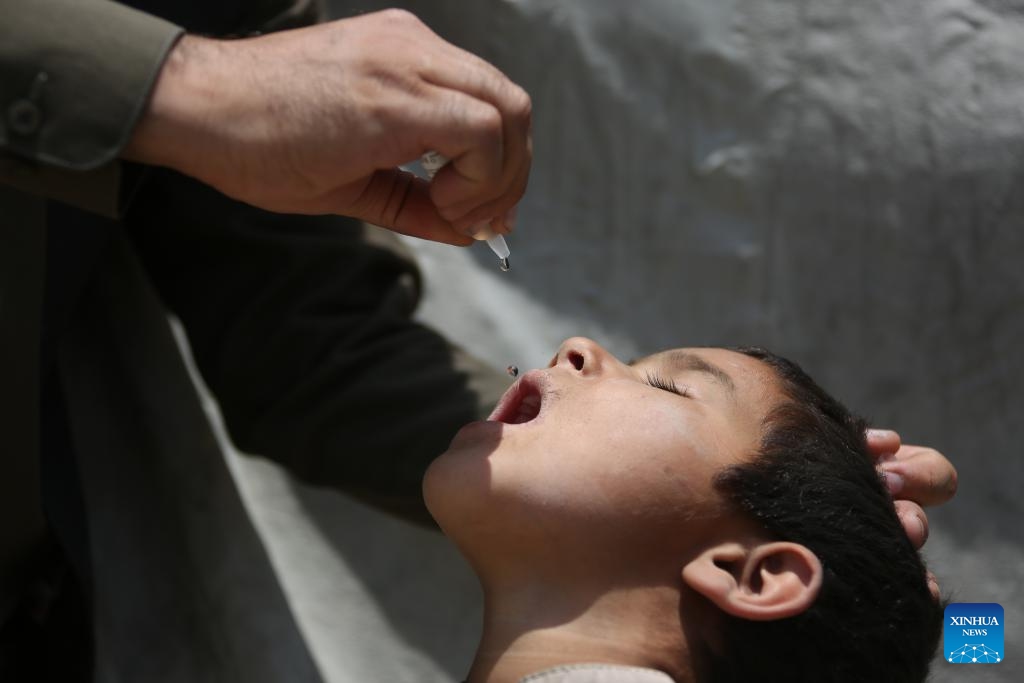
(523, 401)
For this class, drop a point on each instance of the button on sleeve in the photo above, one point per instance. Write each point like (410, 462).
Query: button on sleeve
(98, 61)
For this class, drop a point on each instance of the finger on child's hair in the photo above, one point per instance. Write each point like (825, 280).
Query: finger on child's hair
(914, 521)
(882, 442)
(920, 474)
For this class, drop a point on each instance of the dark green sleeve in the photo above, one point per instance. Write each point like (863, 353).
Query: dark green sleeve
(302, 328)
(74, 79)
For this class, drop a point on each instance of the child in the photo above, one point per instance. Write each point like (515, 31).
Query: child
(708, 514)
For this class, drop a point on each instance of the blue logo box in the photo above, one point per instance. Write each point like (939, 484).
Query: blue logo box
(973, 633)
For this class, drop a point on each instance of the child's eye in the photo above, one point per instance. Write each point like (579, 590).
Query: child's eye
(658, 382)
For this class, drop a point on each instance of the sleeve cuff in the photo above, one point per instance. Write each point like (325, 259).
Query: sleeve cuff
(75, 76)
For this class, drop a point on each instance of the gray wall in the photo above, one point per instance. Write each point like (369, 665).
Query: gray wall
(839, 181)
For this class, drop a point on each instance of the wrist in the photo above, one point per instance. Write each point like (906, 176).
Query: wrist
(175, 128)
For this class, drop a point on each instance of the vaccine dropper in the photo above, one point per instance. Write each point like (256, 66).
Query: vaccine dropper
(432, 163)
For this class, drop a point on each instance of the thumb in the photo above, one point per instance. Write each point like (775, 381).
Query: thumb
(399, 201)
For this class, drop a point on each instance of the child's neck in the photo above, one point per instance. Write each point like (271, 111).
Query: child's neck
(530, 627)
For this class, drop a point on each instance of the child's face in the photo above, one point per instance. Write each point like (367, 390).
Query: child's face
(587, 447)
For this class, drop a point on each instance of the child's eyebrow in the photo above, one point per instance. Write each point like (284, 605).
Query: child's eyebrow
(682, 361)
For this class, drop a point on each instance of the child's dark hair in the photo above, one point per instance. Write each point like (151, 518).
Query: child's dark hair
(813, 483)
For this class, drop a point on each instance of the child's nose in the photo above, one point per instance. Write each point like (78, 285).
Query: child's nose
(582, 355)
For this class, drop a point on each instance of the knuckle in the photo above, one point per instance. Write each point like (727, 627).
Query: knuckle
(520, 104)
(397, 15)
(486, 122)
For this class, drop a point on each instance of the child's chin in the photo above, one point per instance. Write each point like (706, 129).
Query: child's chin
(481, 437)
(457, 480)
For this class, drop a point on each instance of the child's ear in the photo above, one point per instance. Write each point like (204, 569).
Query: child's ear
(761, 582)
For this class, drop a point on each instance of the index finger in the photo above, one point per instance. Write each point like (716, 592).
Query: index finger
(927, 476)
(474, 191)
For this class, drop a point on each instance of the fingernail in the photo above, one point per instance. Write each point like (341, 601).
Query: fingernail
(476, 229)
(921, 528)
(880, 433)
(510, 218)
(894, 482)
